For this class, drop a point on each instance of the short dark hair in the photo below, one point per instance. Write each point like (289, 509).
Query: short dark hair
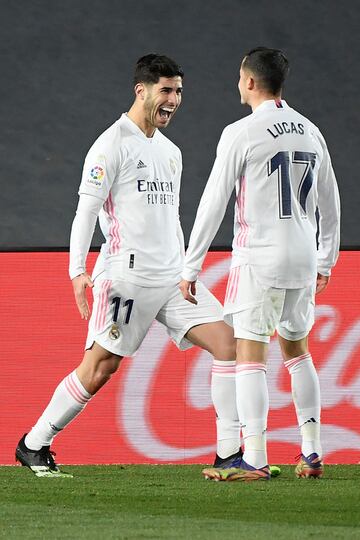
(270, 66)
(151, 67)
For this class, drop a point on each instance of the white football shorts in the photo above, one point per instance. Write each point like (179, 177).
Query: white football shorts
(123, 312)
(256, 311)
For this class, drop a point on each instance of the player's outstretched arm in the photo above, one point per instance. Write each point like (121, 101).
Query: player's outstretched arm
(188, 290)
(80, 284)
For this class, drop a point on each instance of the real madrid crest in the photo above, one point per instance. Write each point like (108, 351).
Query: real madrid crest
(114, 332)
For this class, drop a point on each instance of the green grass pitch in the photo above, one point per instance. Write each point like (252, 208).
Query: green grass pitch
(168, 501)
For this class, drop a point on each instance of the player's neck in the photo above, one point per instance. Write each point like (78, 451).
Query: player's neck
(137, 116)
(258, 99)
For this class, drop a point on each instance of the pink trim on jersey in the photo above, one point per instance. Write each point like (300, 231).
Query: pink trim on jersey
(74, 391)
(240, 368)
(114, 231)
(297, 360)
(232, 285)
(102, 305)
(242, 234)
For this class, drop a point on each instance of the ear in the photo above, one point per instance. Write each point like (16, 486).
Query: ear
(140, 91)
(250, 83)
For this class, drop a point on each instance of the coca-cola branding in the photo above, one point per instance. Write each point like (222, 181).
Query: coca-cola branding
(157, 408)
(154, 425)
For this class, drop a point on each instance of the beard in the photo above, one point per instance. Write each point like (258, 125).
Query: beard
(150, 109)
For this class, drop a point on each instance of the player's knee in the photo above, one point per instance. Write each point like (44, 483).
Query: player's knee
(105, 369)
(224, 351)
(293, 348)
(110, 365)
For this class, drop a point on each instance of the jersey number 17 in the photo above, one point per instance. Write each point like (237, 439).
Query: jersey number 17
(282, 163)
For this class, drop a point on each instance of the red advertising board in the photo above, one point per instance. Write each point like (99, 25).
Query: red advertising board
(157, 407)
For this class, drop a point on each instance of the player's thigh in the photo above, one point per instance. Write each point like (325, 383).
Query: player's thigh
(252, 309)
(215, 337)
(179, 316)
(122, 314)
(251, 351)
(297, 318)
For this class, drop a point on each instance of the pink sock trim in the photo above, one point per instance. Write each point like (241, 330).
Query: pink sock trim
(74, 391)
(227, 371)
(240, 368)
(223, 368)
(297, 360)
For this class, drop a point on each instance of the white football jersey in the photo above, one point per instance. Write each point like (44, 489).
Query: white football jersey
(135, 181)
(278, 162)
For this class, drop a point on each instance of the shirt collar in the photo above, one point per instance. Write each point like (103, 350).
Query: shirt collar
(134, 128)
(271, 104)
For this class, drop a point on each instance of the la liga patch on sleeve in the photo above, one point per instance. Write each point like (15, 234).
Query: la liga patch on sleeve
(96, 174)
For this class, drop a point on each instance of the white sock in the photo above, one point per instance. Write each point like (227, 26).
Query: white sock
(223, 395)
(310, 434)
(253, 405)
(68, 400)
(306, 395)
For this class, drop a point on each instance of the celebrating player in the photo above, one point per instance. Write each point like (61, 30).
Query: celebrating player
(279, 164)
(131, 180)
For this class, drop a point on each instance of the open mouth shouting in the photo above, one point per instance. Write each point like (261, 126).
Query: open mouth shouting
(166, 113)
